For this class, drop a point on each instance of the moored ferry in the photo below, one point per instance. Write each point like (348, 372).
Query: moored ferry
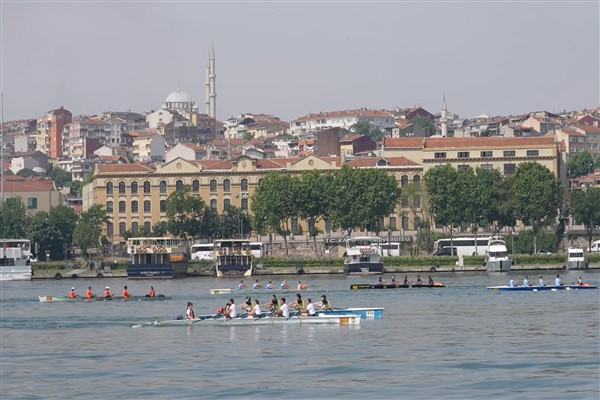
(496, 255)
(15, 259)
(363, 255)
(157, 257)
(233, 257)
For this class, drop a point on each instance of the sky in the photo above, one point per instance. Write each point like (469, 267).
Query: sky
(290, 59)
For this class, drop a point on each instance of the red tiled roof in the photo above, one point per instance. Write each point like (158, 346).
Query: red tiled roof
(451, 142)
(372, 162)
(588, 128)
(123, 168)
(346, 113)
(15, 183)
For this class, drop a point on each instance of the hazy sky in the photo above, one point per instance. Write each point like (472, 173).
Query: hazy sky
(292, 58)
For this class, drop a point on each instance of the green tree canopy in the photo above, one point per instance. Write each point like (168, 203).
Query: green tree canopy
(585, 208)
(184, 212)
(364, 128)
(425, 124)
(13, 218)
(581, 164)
(46, 237)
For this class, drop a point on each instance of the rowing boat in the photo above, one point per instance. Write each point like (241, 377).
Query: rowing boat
(364, 313)
(61, 298)
(357, 286)
(537, 288)
(245, 321)
(262, 290)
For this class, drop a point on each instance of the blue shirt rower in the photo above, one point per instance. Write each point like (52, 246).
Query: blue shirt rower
(526, 281)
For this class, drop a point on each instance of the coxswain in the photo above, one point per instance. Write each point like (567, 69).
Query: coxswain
(125, 293)
(579, 282)
(72, 294)
(88, 293)
(190, 311)
(152, 293)
(107, 292)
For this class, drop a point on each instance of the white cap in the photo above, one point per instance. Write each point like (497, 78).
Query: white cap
(107, 287)
(72, 288)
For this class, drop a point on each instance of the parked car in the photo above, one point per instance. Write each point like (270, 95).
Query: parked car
(544, 252)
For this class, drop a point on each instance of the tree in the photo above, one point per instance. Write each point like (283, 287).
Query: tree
(87, 232)
(585, 208)
(537, 195)
(364, 128)
(58, 175)
(26, 172)
(313, 202)
(425, 124)
(234, 223)
(248, 135)
(65, 219)
(581, 164)
(43, 232)
(184, 212)
(13, 218)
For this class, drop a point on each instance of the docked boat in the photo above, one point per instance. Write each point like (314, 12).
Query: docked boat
(538, 288)
(233, 257)
(576, 259)
(360, 286)
(15, 260)
(496, 255)
(61, 298)
(243, 321)
(157, 257)
(363, 255)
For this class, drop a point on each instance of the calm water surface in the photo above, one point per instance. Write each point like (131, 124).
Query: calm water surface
(457, 342)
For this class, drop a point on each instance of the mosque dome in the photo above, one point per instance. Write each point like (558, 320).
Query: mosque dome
(178, 97)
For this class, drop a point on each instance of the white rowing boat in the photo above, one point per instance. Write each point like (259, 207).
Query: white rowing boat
(221, 321)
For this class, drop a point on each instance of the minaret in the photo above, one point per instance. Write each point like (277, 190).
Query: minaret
(444, 118)
(212, 76)
(207, 83)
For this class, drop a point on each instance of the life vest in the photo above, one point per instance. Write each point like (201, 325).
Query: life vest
(88, 294)
(106, 293)
(72, 294)
(151, 292)
(124, 293)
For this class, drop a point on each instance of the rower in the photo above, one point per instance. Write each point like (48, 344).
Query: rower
(302, 286)
(284, 285)
(72, 294)
(125, 293)
(269, 285)
(526, 281)
(256, 285)
(285, 310)
(190, 311)
(419, 281)
(557, 281)
(310, 308)
(241, 285)
(256, 311)
(88, 293)
(107, 292)
(152, 293)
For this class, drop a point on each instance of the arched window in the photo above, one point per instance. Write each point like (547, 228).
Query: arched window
(109, 206)
(163, 206)
(213, 204)
(121, 187)
(393, 223)
(163, 186)
(244, 204)
(148, 227)
(404, 222)
(134, 206)
(134, 228)
(178, 184)
(122, 228)
(110, 229)
(213, 185)
(244, 185)
(403, 180)
(146, 187)
(259, 182)
(226, 204)
(195, 186)
(226, 185)
(134, 187)
(109, 188)
(417, 179)
(147, 206)
(122, 206)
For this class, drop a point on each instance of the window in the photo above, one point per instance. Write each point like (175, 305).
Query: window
(122, 206)
(533, 153)
(134, 228)
(163, 206)
(404, 222)
(487, 166)
(417, 179)
(244, 204)
(404, 201)
(134, 206)
(163, 186)
(122, 228)
(226, 204)
(213, 204)
(393, 223)
(486, 154)
(134, 187)
(259, 182)
(195, 186)
(109, 206)
(244, 185)
(463, 154)
(462, 167)
(509, 169)
(327, 226)
(32, 203)
(213, 185)
(226, 185)
(509, 153)
(110, 229)
(121, 187)
(163, 226)
(403, 180)
(439, 155)
(417, 223)
(178, 184)
(146, 187)
(148, 227)
(109, 188)
(147, 206)
(295, 229)
(417, 201)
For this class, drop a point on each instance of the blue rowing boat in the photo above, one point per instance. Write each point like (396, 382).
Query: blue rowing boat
(365, 313)
(538, 288)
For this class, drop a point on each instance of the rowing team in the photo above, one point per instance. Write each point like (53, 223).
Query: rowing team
(276, 307)
(407, 282)
(283, 285)
(541, 282)
(107, 294)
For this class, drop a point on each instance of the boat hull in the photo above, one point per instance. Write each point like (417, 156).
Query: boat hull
(15, 273)
(156, 271)
(364, 313)
(537, 288)
(360, 286)
(233, 270)
(364, 268)
(320, 320)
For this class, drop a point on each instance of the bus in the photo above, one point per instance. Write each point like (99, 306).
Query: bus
(202, 251)
(258, 249)
(390, 249)
(461, 246)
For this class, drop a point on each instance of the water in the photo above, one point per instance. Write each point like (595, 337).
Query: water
(457, 342)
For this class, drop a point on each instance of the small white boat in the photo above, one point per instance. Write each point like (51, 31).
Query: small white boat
(15, 260)
(243, 321)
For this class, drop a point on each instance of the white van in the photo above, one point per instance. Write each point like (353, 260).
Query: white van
(202, 252)
(576, 259)
(258, 249)
(595, 246)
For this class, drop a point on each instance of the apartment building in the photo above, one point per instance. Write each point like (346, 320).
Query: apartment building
(49, 133)
(380, 119)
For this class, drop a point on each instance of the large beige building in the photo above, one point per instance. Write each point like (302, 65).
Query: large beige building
(135, 195)
(37, 194)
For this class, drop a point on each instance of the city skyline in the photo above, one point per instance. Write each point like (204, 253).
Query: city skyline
(293, 59)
